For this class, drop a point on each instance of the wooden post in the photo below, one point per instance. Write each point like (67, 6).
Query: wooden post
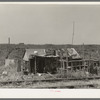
(71, 68)
(29, 66)
(71, 65)
(63, 65)
(83, 52)
(73, 33)
(80, 66)
(84, 60)
(61, 62)
(89, 64)
(35, 64)
(67, 63)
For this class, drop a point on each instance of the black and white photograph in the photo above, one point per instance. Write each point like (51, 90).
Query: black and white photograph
(49, 46)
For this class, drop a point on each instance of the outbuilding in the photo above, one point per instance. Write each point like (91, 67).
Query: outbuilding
(36, 60)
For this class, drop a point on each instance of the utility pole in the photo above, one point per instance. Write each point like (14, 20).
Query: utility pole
(83, 52)
(9, 40)
(8, 47)
(73, 32)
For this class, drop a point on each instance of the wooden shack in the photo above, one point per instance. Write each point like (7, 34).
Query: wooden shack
(44, 64)
(73, 62)
(37, 61)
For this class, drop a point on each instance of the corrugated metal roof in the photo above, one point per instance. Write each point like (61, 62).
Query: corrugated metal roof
(73, 53)
(40, 52)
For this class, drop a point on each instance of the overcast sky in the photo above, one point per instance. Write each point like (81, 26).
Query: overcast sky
(49, 24)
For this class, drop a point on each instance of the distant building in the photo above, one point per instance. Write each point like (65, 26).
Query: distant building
(20, 45)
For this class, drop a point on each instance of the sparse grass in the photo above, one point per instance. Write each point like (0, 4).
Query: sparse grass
(12, 75)
(72, 74)
(63, 84)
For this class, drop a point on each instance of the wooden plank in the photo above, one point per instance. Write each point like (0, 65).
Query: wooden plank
(35, 64)
(78, 60)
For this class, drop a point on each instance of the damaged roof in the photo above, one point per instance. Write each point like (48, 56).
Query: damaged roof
(39, 52)
(73, 53)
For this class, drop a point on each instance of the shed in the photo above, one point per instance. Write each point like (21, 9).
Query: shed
(36, 60)
(15, 58)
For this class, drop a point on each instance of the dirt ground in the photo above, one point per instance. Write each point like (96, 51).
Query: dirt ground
(28, 80)
(82, 84)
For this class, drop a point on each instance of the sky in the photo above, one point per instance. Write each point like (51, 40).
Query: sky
(49, 24)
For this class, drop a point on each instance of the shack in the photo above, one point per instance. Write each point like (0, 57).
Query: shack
(74, 62)
(38, 61)
(14, 58)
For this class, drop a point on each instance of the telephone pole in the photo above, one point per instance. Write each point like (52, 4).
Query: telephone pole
(9, 40)
(73, 32)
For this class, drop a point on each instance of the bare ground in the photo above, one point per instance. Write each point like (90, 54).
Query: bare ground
(85, 84)
(13, 76)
